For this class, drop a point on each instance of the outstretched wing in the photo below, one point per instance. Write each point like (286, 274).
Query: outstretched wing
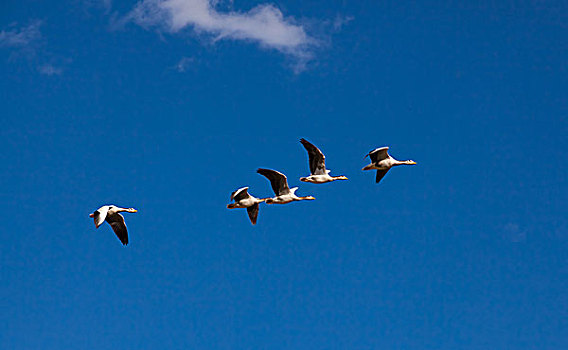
(240, 194)
(118, 225)
(380, 175)
(317, 159)
(253, 213)
(278, 181)
(378, 154)
(100, 215)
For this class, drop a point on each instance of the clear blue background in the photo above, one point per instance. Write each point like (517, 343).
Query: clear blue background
(466, 250)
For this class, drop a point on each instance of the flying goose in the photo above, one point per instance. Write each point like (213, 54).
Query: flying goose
(111, 214)
(319, 174)
(382, 161)
(284, 194)
(244, 200)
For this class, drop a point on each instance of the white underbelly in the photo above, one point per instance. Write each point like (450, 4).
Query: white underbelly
(245, 203)
(319, 179)
(283, 199)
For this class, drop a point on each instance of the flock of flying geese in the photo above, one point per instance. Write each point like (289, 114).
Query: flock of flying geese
(380, 161)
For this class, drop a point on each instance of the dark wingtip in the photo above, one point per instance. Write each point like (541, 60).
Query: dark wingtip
(307, 144)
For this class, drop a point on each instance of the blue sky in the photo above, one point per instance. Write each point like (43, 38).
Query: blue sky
(168, 106)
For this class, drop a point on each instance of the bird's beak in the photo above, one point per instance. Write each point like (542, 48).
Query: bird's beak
(91, 215)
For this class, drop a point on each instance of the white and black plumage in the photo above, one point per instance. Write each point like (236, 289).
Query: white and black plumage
(382, 162)
(279, 183)
(244, 200)
(111, 214)
(319, 174)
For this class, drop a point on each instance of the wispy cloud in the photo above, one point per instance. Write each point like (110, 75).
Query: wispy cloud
(49, 69)
(264, 24)
(26, 43)
(184, 64)
(24, 37)
(340, 21)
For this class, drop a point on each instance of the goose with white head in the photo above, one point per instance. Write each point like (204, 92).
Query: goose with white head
(111, 214)
(279, 183)
(318, 173)
(243, 199)
(383, 162)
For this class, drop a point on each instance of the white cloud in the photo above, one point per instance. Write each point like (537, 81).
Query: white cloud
(20, 38)
(264, 24)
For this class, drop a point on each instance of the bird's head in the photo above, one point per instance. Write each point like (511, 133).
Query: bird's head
(341, 177)
(269, 201)
(304, 179)
(131, 210)
(309, 198)
(410, 162)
